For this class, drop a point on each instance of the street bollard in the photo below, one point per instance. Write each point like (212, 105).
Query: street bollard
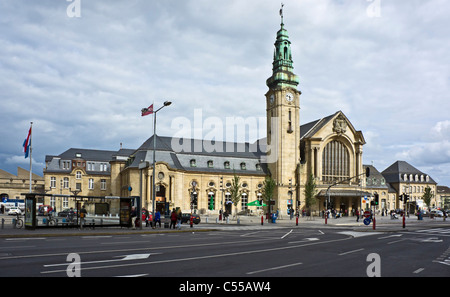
(238, 221)
(296, 221)
(262, 220)
(3, 223)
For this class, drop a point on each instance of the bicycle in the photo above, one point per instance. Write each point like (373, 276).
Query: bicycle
(50, 220)
(19, 221)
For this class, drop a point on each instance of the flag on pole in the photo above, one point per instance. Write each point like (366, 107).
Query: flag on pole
(147, 111)
(26, 144)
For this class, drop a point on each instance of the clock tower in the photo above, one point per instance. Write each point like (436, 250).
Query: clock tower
(283, 123)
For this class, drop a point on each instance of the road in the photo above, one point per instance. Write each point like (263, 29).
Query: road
(282, 252)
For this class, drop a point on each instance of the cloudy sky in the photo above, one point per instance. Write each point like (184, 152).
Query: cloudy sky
(81, 71)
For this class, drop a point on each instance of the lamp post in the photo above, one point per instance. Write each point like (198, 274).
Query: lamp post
(166, 103)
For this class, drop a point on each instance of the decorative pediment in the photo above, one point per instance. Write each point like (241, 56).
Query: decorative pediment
(340, 124)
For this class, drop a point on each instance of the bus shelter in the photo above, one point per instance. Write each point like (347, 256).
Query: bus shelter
(66, 211)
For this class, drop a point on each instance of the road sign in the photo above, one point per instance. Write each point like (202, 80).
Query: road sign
(367, 221)
(367, 214)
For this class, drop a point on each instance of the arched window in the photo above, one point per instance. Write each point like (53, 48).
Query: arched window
(335, 162)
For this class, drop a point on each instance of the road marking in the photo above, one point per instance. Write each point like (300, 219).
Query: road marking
(391, 242)
(133, 275)
(349, 252)
(359, 234)
(305, 240)
(25, 238)
(287, 234)
(202, 257)
(419, 270)
(125, 258)
(247, 234)
(396, 235)
(274, 268)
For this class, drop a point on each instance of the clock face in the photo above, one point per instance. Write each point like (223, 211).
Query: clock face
(289, 97)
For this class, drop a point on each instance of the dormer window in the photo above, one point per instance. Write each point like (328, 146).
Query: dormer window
(226, 165)
(243, 166)
(193, 163)
(210, 164)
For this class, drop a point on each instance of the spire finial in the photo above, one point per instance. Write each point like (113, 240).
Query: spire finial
(281, 13)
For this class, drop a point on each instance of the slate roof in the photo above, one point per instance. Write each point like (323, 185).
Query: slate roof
(179, 152)
(395, 173)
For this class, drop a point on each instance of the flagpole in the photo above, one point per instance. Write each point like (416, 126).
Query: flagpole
(31, 157)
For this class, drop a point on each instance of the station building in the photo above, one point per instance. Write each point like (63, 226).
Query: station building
(329, 149)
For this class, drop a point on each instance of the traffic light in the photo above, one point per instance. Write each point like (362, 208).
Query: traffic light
(406, 198)
(260, 202)
(376, 199)
(401, 197)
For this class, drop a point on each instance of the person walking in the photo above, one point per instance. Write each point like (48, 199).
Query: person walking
(179, 215)
(357, 215)
(157, 219)
(173, 219)
(133, 215)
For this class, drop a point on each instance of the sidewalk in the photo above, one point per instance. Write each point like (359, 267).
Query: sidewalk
(208, 223)
(381, 222)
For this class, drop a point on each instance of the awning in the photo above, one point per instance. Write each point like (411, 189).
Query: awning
(344, 193)
(255, 203)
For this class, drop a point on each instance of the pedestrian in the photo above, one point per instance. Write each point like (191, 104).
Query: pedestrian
(146, 214)
(173, 219)
(133, 215)
(83, 213)
(157, 219)
(179, 216)
(357, 215)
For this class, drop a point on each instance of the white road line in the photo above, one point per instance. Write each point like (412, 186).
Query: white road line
(287, 234)
(419, 270)
(274, 268)
(202, 257)
(134, 275)
(349, 252)
(391, 242)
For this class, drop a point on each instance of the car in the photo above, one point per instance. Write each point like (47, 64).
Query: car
(437, 213)
(66, 212)
(186, 218)
(14, 211)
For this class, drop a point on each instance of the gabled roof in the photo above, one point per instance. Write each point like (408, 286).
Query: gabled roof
(310, 129)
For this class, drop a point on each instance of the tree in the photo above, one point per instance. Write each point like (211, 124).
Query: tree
(268, 190)
(310, 193)
(427, 195)
(234, 191)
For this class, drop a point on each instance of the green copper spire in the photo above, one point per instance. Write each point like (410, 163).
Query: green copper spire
(282, 60)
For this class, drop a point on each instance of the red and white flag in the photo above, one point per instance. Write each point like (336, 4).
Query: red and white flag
(147, 111)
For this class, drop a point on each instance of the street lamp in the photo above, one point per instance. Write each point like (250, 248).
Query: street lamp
(166, 103)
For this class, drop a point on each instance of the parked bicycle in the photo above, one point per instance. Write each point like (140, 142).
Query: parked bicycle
(19, 221)
(50, 220)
